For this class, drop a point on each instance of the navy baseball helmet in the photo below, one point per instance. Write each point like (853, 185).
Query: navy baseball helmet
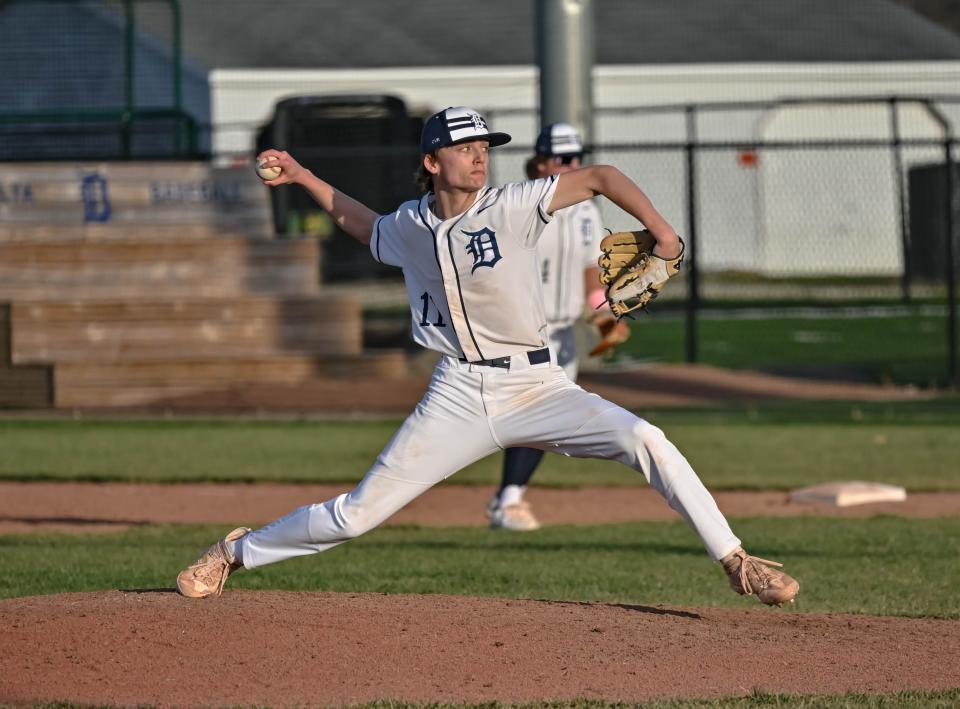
(457, 124)
(559, 139)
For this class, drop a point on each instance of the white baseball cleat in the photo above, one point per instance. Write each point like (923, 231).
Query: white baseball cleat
(752, 576)
(517, 517)
(207, 575)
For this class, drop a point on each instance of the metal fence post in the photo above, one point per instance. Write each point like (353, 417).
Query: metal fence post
(951, 264)
(128, 88)
(177, 61)
(565, 51)
(693, 277)
(901, 210)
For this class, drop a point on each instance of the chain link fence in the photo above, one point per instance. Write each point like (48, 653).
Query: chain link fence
(827, 211)
(97, 80)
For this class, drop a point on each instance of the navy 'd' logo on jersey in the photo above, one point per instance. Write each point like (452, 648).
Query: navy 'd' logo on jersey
(483, 247)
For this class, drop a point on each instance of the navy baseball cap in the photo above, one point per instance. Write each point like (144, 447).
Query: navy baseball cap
(558, 139)
(457, 124)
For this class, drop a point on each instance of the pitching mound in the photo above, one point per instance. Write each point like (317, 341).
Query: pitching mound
(152, 647)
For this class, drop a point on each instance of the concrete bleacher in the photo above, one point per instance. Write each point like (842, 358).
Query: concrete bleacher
(148, 330)
(63, 270)
(131, 312)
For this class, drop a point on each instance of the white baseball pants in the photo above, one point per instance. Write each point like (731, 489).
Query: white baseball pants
(470, 411)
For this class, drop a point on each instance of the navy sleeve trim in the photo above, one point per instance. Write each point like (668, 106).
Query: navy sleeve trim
(543, 215)
(377, 238)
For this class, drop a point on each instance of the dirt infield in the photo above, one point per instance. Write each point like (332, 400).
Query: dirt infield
(91, 507)
(152, 647)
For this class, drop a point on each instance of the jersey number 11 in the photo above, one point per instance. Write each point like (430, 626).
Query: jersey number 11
(424, 322)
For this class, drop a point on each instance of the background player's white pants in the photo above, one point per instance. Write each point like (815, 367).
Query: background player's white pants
(471, 411)
(562, 340)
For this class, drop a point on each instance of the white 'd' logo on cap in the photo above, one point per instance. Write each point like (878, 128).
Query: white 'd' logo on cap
(478, 122)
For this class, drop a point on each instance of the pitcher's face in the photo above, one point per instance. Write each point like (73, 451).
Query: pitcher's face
(460, 167)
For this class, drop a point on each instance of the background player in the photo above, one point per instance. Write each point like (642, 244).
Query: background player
(468, 254)
(568, 249)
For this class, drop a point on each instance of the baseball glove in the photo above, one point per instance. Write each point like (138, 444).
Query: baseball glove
(612, 333)
(631, 272)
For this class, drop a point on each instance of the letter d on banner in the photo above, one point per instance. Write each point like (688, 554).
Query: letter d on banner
(96, 201)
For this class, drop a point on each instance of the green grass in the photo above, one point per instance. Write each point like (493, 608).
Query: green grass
(748, 447)
(880, 566)
(177, 451)
(877, 340)
(902, 344)
(905, 349)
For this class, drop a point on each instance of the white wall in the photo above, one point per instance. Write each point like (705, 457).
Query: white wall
(244, 98)
(790, 212)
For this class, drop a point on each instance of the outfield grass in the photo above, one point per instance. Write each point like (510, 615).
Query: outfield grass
(879, 566)
(881, 341)
(773, 446)
(905, 349)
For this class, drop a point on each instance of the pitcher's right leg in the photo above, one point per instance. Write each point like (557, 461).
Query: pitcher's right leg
(446, 432)
(318, 527)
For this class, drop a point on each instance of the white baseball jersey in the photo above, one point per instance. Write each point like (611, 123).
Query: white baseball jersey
(472, 280)
(569, 244)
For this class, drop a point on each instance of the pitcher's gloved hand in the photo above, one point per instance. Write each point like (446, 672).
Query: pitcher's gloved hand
(630, 270)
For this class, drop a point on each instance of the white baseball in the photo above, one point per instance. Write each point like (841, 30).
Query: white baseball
(267, 171)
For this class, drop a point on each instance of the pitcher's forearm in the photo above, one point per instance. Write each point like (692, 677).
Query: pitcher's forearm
(624, 193)
(609, 182)
(354, 217)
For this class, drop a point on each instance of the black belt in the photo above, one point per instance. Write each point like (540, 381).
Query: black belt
(533, 356)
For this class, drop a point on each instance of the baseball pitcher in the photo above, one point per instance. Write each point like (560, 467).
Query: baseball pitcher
(468, 252)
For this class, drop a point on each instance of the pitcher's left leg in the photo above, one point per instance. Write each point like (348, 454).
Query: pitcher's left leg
(644, 447)
(572, 421)
(639, 444)
(569, 420)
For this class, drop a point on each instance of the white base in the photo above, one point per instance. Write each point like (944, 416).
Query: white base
(846, 493)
